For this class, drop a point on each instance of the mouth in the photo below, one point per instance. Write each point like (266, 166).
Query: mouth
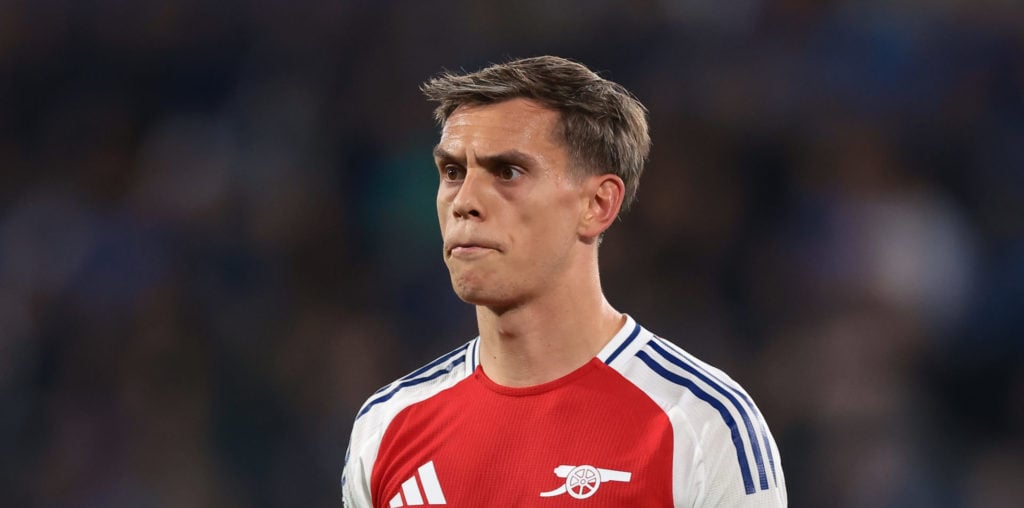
(469, 249)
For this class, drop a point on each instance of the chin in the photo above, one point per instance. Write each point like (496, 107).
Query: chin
(481, 295)
(474, 296)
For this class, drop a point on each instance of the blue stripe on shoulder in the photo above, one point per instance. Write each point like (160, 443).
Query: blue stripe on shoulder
(737, 441)
(622, 347)
(435, 363)
(411, 380)
(426, 367)
(676, 358)
(717, 385)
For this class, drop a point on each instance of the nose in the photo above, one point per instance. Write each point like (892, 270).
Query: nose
(467, 203)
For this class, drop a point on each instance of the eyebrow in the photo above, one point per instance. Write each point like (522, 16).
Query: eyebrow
(509, 157)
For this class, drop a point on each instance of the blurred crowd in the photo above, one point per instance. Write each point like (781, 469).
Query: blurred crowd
(218, 235)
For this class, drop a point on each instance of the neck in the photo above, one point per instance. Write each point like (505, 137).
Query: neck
(548, 337)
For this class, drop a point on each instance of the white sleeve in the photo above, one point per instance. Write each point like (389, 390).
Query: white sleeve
(359, 460)
(355, 481)
(723, 485)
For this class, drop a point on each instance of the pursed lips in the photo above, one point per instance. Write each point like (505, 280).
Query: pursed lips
(471, 248)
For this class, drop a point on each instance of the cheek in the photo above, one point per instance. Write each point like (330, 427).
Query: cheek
(443, 205)
(559, 208)
(551, 227)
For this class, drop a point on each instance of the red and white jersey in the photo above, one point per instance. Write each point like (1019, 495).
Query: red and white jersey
(642, 424)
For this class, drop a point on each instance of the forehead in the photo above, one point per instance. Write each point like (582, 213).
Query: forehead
(515, 123)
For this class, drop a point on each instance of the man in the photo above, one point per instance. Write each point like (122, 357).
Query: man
(561, 399)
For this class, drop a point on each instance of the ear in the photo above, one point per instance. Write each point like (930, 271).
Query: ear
(604, 195)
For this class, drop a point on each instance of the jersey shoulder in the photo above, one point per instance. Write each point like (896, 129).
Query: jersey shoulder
(380, 409)
(716, 420)
(421, 384)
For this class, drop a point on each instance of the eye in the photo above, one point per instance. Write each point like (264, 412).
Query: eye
(452, 173)
(509, 173)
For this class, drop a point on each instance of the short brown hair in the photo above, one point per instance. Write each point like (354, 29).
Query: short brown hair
(603, 126)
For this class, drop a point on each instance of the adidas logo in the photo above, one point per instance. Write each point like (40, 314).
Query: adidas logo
(412, 495)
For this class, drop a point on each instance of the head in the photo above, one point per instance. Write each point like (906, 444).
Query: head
(601, 125)
(537, 158)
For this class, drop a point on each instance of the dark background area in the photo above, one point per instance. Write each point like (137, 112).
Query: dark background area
(218, 235)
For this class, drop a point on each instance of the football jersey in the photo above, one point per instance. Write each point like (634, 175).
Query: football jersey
(643, 423)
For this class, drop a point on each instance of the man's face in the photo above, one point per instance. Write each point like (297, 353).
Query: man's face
(509, 208)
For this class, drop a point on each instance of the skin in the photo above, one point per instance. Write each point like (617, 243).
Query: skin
(520, 237)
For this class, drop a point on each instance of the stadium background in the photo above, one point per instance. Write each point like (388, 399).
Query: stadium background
(217, 232)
